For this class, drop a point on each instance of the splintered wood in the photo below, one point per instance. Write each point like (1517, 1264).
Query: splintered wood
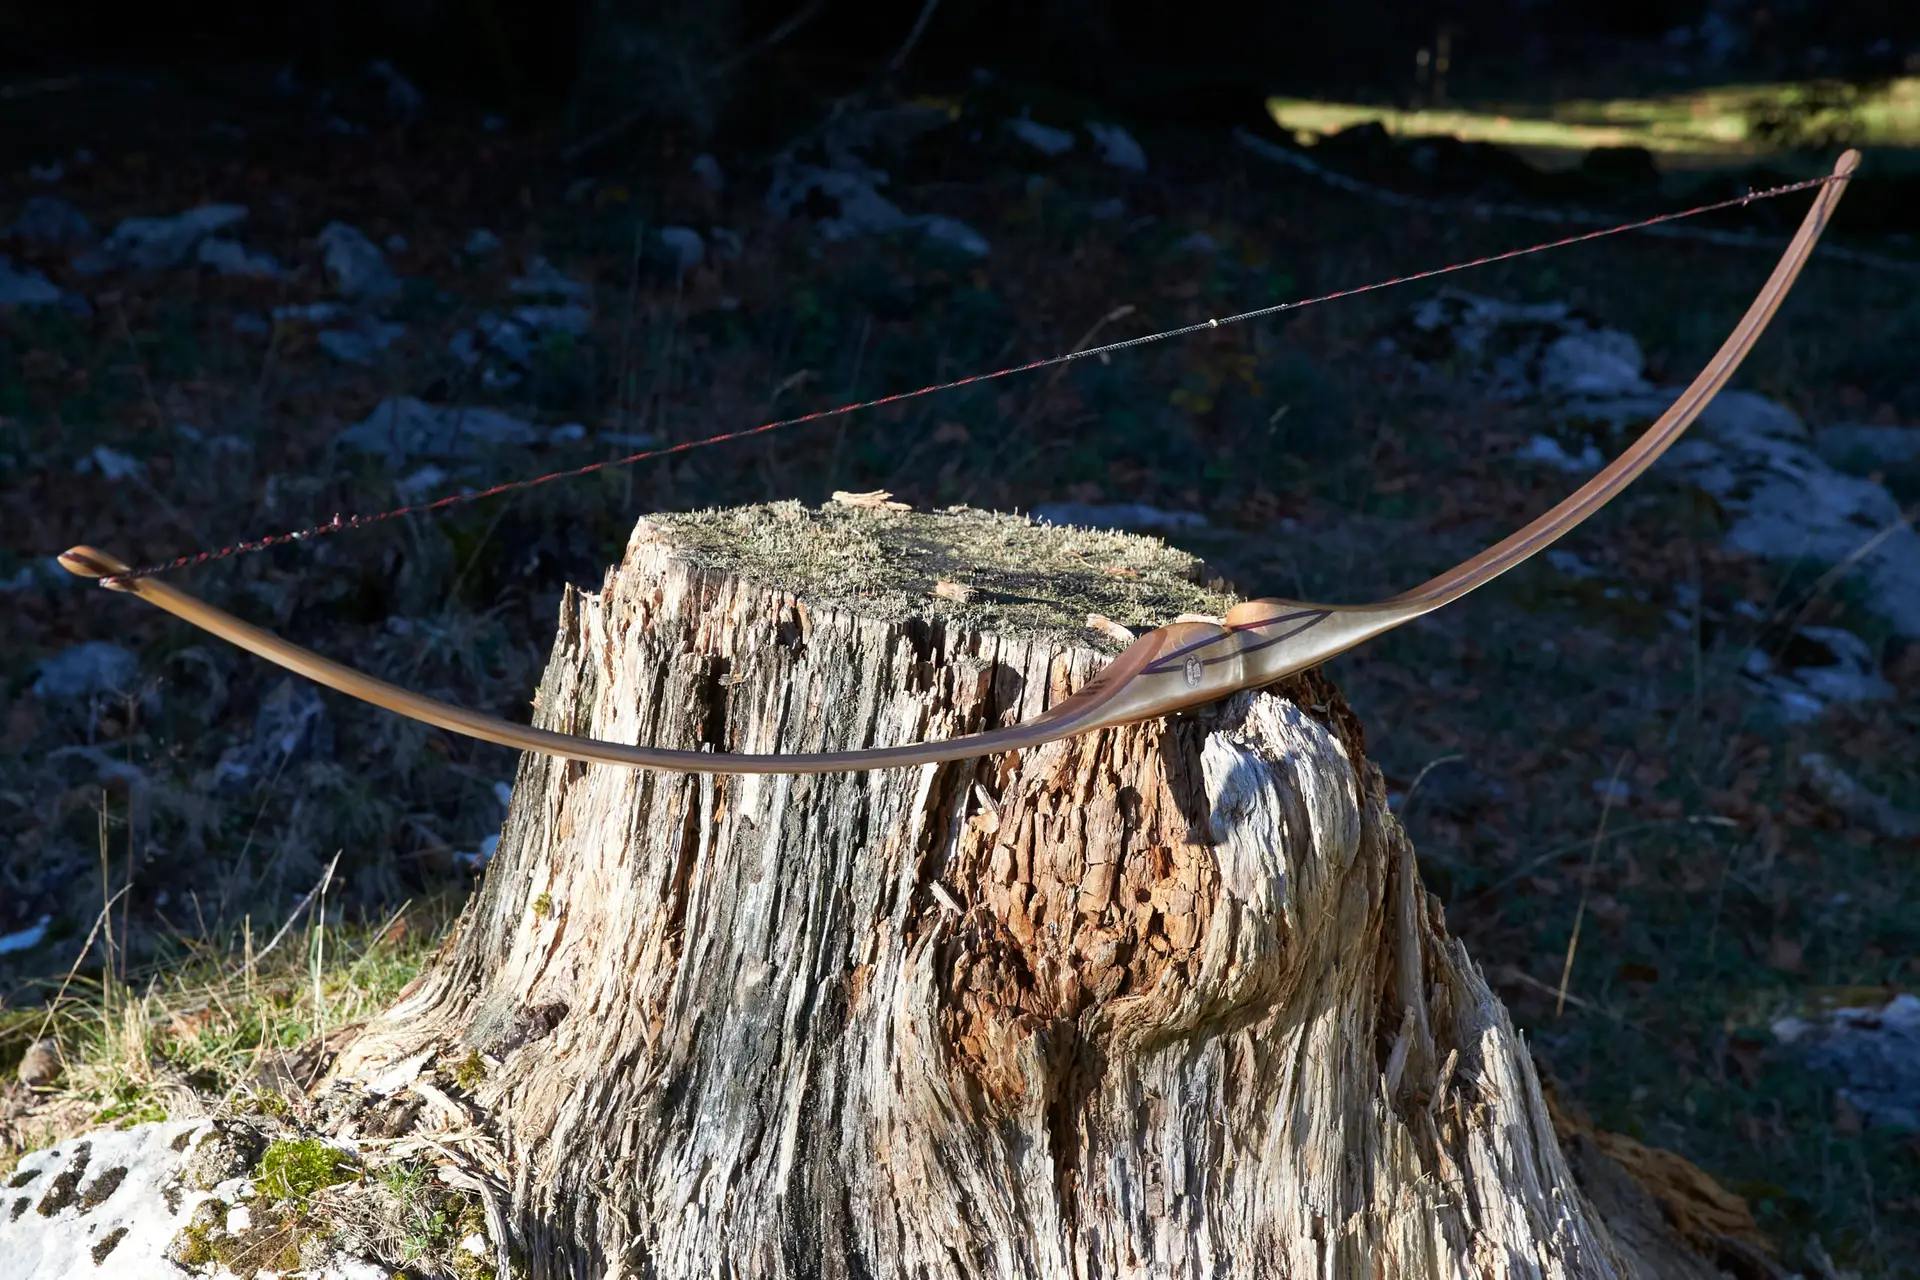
(1165, 1000)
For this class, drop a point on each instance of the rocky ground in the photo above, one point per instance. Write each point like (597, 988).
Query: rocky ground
(1663, 777)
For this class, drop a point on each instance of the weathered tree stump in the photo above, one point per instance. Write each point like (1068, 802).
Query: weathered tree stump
(1161, 1000)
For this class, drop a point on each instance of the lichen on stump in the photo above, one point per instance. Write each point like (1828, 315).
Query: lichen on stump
(1165, 999)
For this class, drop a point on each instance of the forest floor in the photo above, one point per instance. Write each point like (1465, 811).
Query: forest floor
(201, 797)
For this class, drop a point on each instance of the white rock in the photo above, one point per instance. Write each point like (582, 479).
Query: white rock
(1570, 564)
(87, 669)
(403, 96)
(354, 264)
(52, 221)
(475, 859)
(1876, 446)
(569, 317)
(1595, 362)
(1531, 349)
(230, 258)
(111, 463)
(1839, 789)
(954, 234)
(543, 278)
(1118, 515)
(133, 1168)
(1547, 450)
(23, 286)
(361, 342)
(1042, 138)
(1117, 147)
(686, 246)
(1752, 455)
(25, 939)
(1873, 1051)
(862, 210)
(310, 313)
(1804, 693)
(419, 484)
(154, 244)
(404, 427)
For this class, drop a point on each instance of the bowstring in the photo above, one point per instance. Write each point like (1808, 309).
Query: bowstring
(340, 524)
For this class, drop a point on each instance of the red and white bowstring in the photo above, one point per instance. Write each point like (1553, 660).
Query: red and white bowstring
(340, 524)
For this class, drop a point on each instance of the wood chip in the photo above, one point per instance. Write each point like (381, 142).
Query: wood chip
(877, 500)
(956, 591)
(1200, 617)
(1109, 628)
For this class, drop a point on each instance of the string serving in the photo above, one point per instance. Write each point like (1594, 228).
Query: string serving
(340, 524)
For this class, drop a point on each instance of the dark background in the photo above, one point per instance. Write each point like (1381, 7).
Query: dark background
(1160, 60)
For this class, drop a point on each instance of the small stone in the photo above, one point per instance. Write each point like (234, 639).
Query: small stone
(40, 1065)
(404, 427)
(23, 286)
(154, 244)
(355, 264)
(87, 669)
(25, 939)
(1117, 147)
(361, 343)
(1136, 516)
(685, 245)
(50, 220)
(230, 258)
(1042, 138)
(542, 277)
(953, 234)
(111, 463)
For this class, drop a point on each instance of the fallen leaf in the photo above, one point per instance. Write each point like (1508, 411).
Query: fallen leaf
(189, 1024)
(876, 500)
(956, 591)
(1109, 628)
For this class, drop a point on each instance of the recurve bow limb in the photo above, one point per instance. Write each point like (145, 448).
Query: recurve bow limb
(1166, 670)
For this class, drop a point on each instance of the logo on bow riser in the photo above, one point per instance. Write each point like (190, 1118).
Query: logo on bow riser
(1195, 669)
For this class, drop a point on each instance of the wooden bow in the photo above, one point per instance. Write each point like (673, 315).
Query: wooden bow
(1166, 670)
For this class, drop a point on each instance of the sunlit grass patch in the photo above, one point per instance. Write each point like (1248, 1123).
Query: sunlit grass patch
(190, 1037)
(1723, 123)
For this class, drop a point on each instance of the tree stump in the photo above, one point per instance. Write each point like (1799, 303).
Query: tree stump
(1164, 1000)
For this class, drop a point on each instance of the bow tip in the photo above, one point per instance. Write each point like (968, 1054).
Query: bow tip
(1849, 161)
(91, 562)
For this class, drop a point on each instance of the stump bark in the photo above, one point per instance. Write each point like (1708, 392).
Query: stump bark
(1161, 1000)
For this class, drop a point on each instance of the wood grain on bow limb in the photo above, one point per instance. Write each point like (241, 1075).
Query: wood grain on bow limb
(1163, 999)
(1168, 669)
